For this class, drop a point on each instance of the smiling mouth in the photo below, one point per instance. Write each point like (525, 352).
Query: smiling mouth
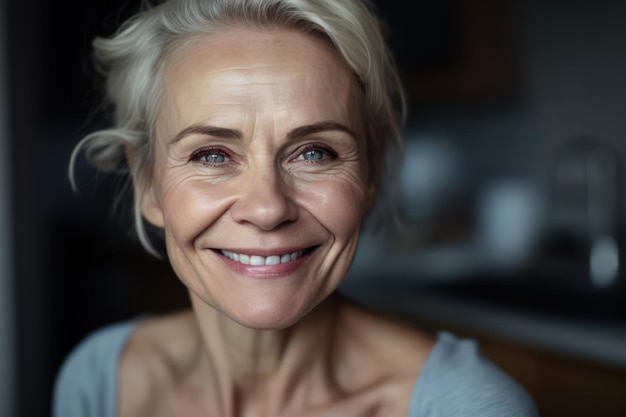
(256, 260)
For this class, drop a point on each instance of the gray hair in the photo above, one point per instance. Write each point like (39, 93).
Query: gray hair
(133, 61)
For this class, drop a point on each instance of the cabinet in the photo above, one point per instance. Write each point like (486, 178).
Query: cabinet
(561, 387)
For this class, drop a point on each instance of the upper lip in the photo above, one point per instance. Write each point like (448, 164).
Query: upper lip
(267, 252)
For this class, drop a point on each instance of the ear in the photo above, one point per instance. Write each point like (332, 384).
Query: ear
(145, 197)
(150, 206)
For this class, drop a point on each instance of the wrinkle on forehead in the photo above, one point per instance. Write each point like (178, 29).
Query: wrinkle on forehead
(256, 74)
(247, 50)
(232, 44)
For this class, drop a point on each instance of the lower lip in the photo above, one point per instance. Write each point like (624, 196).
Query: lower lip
(265, 272)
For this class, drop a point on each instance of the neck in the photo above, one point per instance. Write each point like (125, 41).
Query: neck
(267, 366)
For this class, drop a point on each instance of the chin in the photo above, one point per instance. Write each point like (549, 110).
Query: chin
(269, 315)
(260, 323)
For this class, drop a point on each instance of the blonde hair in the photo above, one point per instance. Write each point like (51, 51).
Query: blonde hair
(132, 61)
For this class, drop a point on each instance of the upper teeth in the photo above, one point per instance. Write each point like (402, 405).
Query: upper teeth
(256, 260)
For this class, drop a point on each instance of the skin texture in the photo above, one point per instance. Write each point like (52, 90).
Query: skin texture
(265, 199)
(261, 152)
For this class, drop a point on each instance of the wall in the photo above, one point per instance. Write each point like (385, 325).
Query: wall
(576, 66)
(6, 288)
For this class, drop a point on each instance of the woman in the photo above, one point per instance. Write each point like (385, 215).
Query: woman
(256, 133)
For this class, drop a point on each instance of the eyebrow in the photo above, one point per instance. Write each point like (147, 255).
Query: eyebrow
(220, 132)
(314, 128)
(225, 133)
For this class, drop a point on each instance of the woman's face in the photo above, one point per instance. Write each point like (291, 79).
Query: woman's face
(259, 176)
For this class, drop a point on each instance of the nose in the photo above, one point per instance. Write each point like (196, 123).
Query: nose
(265, 202)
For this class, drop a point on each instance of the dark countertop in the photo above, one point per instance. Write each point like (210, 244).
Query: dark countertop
(548, 306)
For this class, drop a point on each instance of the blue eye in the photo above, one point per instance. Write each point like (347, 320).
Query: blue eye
(213, 158)
(316, 153)
(313, 155)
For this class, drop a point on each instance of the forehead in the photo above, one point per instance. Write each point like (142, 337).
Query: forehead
(282, 71)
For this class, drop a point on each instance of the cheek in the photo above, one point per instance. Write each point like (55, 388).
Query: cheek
(190, 205)
(338, 204)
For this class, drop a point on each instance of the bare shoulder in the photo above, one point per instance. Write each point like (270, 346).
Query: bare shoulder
(383, 352)
(152, 360)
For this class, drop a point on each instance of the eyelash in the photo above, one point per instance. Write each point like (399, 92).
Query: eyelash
(330, 154)
(197, 155)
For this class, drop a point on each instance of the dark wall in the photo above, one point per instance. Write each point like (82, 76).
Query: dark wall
(76, 263)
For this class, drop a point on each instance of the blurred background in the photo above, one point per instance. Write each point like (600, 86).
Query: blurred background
(511, 199)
